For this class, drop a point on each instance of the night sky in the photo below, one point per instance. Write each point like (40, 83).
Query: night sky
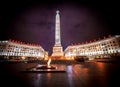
(34, 22)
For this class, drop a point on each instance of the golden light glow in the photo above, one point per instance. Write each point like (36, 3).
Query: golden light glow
(45, 58)
(23, 57)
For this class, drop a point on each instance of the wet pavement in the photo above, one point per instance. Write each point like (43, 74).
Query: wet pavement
(84, 74)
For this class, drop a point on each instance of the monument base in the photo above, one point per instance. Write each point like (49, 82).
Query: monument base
(57, 51)
(58, 58)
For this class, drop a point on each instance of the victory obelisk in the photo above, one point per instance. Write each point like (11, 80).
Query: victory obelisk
(57, 49)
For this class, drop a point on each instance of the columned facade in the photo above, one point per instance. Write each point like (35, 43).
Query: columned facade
(105, 48)
(10, 48)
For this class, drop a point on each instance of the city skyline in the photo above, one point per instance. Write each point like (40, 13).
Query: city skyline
(35, 23)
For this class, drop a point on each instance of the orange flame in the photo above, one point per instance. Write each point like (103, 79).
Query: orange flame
(48, 63)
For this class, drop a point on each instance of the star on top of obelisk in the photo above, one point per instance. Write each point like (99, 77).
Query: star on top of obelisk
(57, 11)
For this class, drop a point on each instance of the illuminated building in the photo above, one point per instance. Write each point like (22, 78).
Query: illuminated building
(57, 49)
(105, 48)
(17, 49)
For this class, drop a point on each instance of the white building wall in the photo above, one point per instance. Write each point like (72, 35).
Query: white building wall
(103, 47)
(9, 48)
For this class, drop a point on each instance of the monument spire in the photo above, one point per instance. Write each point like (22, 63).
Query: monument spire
(57, 49)
(57, 30)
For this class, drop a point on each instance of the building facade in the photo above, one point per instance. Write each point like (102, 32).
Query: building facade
(16, 49)
(105, 48)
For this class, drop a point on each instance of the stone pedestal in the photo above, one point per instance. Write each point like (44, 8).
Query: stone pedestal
(57, 51)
